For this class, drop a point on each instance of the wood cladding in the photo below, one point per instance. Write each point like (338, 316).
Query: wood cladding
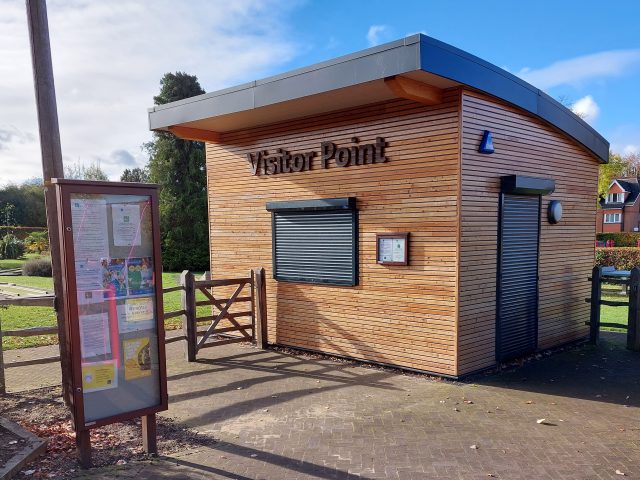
(526, 146)
(397, 315)
(437, 313)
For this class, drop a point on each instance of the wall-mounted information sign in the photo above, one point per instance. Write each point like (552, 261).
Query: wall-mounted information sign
(110, 246)
(392, 248)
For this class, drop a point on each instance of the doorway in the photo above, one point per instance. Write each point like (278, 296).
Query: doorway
(517, 287)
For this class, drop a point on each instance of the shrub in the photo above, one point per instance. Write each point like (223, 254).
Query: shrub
(37, 242)
(623, 258)
(20, 232)
(10, 247)
(39, 267)
(621, 239)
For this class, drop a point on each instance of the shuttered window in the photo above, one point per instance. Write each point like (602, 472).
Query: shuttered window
(315, 241)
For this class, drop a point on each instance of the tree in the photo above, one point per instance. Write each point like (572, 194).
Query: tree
(23, 205)
(617, 167)
(179, 167)
(78, 171)
(570, 104)
(136, 175)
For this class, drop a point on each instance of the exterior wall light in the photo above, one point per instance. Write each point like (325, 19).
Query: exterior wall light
(554, 211)
(486, 145)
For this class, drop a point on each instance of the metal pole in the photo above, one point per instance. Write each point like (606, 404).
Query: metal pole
(51, 157)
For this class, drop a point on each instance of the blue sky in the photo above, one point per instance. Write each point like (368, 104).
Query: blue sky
(598, 47)
(108, 58)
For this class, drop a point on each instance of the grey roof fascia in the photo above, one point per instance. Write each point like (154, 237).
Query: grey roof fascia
(414, 53)
(394, 58)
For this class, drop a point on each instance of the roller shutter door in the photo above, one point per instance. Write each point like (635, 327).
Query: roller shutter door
(517, 305)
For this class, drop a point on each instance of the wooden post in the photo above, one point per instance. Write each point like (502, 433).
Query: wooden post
(189, 326)
(51, 159)
(83, 447)
(633, 327)
(260, 298)
(149, 437)
(594, 318)
(252, 293)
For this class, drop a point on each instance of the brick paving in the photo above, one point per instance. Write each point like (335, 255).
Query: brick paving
(292, 417)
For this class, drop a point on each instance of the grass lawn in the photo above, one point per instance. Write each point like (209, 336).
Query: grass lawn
(17, 317)
(614, 314)
(8, 264)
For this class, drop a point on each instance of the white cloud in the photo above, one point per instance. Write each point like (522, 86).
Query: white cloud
(378, 34)
(624, 139)
(108, 58)
(574, 71)
(587, 109)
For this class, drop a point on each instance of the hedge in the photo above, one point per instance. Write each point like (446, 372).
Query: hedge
(621, 239)
(623, 258)
(20, 232)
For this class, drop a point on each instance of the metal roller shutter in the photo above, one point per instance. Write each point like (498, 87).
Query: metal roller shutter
(316, 247)
(517, 322)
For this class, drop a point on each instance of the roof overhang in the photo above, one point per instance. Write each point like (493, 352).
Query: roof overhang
(364, 78)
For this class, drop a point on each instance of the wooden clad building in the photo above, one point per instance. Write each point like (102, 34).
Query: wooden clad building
(413, 205)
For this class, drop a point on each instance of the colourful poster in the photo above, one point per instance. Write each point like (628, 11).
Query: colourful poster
(99, 376)
(114, 277)
(137, 358)
(140, 276)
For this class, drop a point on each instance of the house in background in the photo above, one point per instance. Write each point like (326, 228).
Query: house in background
(620, 209)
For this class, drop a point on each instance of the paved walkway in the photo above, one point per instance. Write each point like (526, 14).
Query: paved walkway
(291, 417)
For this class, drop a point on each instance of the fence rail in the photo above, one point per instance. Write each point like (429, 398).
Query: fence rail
(632, 284)
(188, 311)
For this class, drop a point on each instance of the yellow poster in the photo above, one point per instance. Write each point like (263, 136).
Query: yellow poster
(139, 309)
(137, 358)
(99, 376)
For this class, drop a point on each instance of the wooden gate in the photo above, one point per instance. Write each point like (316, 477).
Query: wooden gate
(245, 323)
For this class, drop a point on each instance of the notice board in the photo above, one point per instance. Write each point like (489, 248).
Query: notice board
(112, 277)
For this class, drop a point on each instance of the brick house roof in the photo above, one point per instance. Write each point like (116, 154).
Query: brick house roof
(629, 185)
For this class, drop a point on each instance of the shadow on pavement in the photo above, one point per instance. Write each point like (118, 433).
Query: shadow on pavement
(274, 460)
(276, 367)
(606, 373)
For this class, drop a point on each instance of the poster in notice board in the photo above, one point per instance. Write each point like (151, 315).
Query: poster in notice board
(392, 248)
(115, 314)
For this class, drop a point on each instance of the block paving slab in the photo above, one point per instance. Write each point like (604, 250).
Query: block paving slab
(281, 416)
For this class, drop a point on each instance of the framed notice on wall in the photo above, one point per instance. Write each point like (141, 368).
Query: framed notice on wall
(392, 248)
(110, 250)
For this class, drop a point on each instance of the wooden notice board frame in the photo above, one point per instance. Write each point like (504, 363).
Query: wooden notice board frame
(402, 236)
(65, 189)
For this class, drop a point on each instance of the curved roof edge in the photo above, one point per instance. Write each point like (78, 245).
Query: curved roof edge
(411, 54)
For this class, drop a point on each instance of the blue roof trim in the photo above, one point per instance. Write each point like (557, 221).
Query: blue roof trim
(452, 63)
(414, 53)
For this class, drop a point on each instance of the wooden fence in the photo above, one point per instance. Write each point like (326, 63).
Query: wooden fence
(253, 329)
(632, 285)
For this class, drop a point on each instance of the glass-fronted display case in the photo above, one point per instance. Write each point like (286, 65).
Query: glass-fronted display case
(113, 283)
